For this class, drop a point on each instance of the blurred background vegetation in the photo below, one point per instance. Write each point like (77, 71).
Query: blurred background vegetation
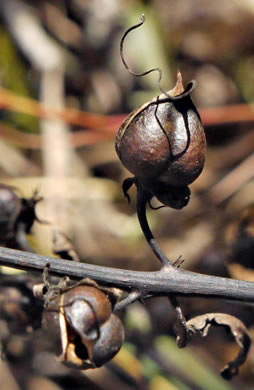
(63, 95)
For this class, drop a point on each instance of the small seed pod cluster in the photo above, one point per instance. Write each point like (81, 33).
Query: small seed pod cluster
(163, 144)
(80, 323)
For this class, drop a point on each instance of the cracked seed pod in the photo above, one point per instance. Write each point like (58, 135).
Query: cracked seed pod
(84, 330)
(17, 216)
(10, 207)
(163, 144)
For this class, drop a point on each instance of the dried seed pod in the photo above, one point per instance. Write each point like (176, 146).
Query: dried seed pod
(10, 207)
(107, 345)
(86, 308)
(163, 142)
(85, 332)
(17, 216)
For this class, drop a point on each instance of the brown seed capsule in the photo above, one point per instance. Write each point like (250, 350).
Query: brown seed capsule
(86, 308)
(17, 216)
(85, 332)
(107, 345)
(10, 207)
(163, 144)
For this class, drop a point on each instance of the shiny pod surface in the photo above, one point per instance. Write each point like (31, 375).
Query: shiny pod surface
(166, 146)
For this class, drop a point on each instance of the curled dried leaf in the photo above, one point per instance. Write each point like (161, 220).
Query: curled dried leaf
(202, 323)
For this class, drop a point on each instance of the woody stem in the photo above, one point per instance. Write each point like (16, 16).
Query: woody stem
(143, 198)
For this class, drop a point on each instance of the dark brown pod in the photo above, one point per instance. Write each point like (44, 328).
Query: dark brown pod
(109, 342)
(86, 308)
(163, 143)
(85, 332)
(10, 207)
(17, 216)
(51, 324)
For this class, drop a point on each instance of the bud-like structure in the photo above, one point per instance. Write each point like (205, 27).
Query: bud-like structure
(163, 144)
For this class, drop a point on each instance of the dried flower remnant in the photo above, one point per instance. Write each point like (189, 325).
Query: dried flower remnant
(81, 324)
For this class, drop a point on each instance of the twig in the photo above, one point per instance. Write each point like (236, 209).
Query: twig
(142, 199)
(131, 298)
(164, 282)
(181, 327)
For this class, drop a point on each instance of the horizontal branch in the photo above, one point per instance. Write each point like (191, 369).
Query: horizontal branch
(164, 282)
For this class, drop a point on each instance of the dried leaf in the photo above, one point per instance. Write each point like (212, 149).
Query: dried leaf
(202, 323)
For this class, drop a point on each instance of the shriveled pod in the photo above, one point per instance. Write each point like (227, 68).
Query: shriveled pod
(163, 143)
(85, 331)
(17, 216)
(10, 207)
